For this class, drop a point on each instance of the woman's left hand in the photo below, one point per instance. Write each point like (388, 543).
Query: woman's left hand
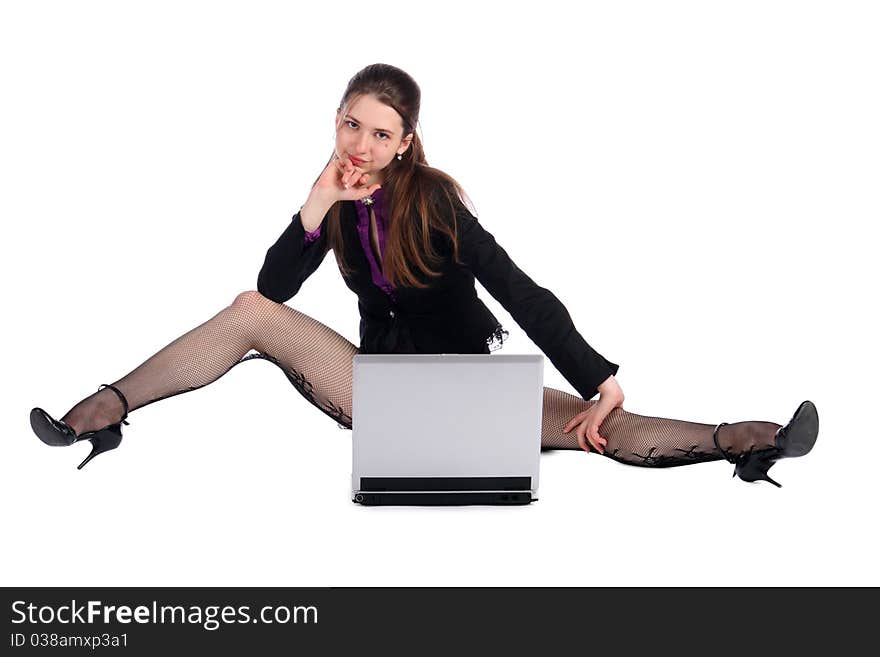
(589, 421)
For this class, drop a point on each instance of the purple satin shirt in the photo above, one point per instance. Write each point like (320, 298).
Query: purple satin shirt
(363, 213)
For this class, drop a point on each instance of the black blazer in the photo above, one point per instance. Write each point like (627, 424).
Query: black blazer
(447, 317)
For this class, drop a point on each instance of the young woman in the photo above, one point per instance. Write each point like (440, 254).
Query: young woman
(407, 245)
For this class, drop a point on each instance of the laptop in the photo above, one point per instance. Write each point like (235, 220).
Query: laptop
(446, 429)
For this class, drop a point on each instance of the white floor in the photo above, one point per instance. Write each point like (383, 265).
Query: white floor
(696, 183)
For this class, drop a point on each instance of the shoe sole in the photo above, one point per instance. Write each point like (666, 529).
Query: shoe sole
(42, 425)
(802, 431)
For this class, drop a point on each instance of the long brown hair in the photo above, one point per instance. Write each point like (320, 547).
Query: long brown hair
(420, 198)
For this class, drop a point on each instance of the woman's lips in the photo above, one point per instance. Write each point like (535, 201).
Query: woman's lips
(355, 161)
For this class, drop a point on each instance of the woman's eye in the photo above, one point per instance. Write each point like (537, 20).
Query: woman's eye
(354, 126)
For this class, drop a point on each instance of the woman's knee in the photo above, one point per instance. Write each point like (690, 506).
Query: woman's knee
(251, 298)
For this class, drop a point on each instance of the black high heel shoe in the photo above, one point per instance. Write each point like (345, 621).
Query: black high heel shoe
(794, 439)
(60, 434)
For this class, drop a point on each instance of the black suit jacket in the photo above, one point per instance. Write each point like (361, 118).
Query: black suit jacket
(447, 317)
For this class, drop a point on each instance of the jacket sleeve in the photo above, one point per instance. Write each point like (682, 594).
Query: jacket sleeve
(537, 310)
(290, 261)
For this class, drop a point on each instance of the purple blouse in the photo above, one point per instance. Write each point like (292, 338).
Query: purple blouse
(363, 211)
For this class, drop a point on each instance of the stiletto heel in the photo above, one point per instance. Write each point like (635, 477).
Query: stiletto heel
(103, 441)
(753, 466)
(60, 434)
(794, 439)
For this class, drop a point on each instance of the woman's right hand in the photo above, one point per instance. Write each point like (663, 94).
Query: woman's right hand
(342, 181)
(588, 422)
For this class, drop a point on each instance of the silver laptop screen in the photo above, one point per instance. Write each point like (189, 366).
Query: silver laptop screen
(468, 415)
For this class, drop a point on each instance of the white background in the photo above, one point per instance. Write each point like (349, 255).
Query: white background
(696, 181)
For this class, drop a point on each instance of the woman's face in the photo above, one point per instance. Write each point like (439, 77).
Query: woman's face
(370, 135)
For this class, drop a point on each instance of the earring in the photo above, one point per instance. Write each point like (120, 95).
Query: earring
(399, 156)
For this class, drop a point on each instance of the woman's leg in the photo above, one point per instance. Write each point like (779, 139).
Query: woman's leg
(651, 441)
(318, 361)
(313, 356)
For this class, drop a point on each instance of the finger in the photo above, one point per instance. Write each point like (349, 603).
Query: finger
(582, 438)
(599, 417)
(340, 168)
(364, 192)
(582, 441)
(350, 176)
(580, 417)
(344, 168)
(596, 440)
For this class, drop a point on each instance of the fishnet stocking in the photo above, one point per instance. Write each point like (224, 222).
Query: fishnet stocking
(316, 359)
(650, 441)
(318, 362)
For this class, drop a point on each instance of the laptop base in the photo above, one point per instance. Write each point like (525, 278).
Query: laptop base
(444, 498)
